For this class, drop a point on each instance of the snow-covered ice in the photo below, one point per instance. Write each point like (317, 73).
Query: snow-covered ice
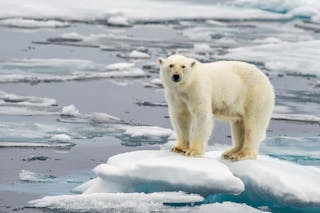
(72, 112)
(290, 57)
(32, 24)
(135, 12)
(60, 138)
(69, 110)
(116, 202)
(150, 132)
(279, 180)
(138, 54)
(160, 170)
(28, 176)
(150, 171)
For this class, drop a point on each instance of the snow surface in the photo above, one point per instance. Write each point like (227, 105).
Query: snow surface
(26, 175)
(32, 24)
(119, 202)
(290, 57)
(162, 171)
(52, 70)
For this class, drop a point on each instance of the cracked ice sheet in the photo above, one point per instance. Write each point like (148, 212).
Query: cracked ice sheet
(56, 70)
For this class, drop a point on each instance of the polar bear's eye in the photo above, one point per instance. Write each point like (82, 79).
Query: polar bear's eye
(183, 66)
(171, 65)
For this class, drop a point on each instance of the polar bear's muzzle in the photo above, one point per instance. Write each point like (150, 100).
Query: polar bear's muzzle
(176, 77)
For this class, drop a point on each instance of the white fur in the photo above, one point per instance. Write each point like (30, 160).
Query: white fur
(232, 91)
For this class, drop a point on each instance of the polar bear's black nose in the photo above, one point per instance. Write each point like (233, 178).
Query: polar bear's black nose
(176, 78)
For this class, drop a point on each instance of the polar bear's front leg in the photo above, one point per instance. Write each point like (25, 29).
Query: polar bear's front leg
(181, 121)
(202, 124)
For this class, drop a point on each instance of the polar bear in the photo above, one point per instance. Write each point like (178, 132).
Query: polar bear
(231, 91)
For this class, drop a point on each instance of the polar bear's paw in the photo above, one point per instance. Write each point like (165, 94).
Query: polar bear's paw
(178, 149)
(243, 154)
(193, 153)
(227, 154)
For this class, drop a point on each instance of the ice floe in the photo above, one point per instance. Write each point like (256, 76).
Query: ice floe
(60, 138)
(137, 55)
(74, 115)
(150, 171)
(277, 180)
(28, 176)
(51, 70)
(14, 104)
(280, 57)
(32, 24)
(116, 202)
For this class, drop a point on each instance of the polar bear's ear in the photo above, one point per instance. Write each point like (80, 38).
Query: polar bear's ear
(160, 61)
(193, 63)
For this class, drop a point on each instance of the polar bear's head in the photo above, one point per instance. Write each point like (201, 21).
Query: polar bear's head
(176, 69)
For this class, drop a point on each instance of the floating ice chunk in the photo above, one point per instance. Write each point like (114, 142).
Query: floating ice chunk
(70, 110)
(137, 54)
(121, 21)
(32, 24)
(279, 56)
(161, 170)
(305, 11)
(296, 117)
(120, 66)
(269, 40)
(279, 180)
(29, 176)
(122, 202)
(150, 132)
(60, 138)
(154, 83)
(13, 104)
(37, 144)
(228, 207)
(203, 48)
